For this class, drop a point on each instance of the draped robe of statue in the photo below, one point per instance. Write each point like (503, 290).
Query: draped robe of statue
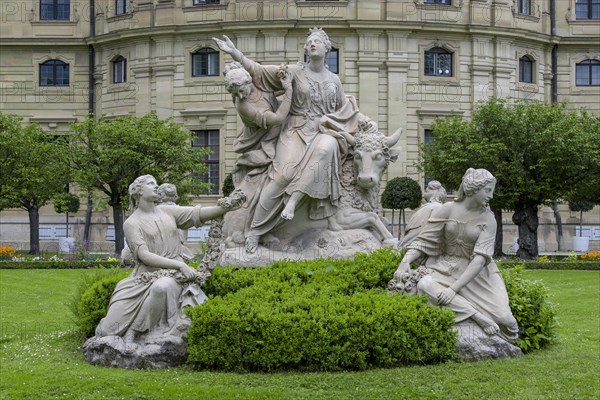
(145, 302)
(449, 245)
(310, 147)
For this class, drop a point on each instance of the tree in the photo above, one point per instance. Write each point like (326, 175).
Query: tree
(66, 203)
(581, 206)
(401, 193)
(108, 154)
(529, 147)
(228, 185)
(33, 171)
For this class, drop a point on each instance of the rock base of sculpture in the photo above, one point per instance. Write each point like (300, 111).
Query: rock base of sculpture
(475, 345)
(310, 245)
(113, 351)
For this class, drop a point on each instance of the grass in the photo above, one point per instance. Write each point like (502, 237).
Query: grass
(40, 358)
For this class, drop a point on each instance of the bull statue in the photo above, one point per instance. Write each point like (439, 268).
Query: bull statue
(359, 203)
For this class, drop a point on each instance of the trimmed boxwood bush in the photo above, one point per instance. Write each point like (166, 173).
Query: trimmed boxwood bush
(90, 301)
(316, 315)
(318, 330)
(530, 306)
(563, 265)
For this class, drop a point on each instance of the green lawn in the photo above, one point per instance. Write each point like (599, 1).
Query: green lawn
(39, 359)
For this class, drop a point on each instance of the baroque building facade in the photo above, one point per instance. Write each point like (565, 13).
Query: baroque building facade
(406, 61)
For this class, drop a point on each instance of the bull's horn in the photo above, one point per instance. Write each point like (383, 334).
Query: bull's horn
(392, 140)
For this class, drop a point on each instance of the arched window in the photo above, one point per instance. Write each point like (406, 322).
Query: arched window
(119, 70)
(54, 73)
(55, 9)
(438, 62)
(587, 73)
(526, 64)
(205, 62)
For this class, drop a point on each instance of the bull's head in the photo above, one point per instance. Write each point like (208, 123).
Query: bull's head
(372, 154)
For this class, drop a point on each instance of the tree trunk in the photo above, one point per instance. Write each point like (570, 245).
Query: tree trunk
(559, 227)
(34, 230)
(400, 230)
(527, 221)
(392, 221)
(119, 234)
(88, 220)
(499, 234)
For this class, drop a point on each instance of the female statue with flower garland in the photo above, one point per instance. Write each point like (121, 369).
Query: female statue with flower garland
(456, 245)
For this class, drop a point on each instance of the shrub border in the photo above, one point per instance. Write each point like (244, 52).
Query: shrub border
(553, 265)
(65, 264)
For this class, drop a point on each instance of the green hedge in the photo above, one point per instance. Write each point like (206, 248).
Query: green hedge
(91, 298)
(530, 306)
(555, 265)
(60, 264)
(320, 331)
(321, 315)
(317, 315)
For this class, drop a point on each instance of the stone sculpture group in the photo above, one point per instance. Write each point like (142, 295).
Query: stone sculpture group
(308, 174)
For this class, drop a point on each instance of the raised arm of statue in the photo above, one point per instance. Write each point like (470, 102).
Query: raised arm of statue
(228, 47)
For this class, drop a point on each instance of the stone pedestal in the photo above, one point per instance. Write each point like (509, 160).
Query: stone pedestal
(113, 351)
(475, 345)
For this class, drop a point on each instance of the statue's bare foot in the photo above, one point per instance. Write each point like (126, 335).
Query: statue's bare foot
(251, 244)
(488, 326)
(288, 212)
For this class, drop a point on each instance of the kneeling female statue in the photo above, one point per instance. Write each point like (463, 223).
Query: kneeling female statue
(456, 247)
(147, 307)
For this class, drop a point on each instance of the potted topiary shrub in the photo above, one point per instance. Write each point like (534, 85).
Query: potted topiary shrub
(581, 243)
(66, 203)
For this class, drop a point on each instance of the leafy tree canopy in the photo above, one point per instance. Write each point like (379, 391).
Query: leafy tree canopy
(401, 193)
(530, 148)
(31, 165)
(108, 154)
(537, 152)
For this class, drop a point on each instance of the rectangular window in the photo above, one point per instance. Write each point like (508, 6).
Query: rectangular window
(427, 138)
(524, 7)
(205, 2)
(119, 70)
(54, 73)
(55, 10)
(587, 73)
(526, 69)
(445, 2)
(121, 7)
(209, 139)
(48, 232)
(587, 9)
(205, 62)
(332, 60)
(438, 62)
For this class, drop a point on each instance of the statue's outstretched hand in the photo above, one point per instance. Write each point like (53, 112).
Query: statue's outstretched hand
(225, 44)
(235, 200)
